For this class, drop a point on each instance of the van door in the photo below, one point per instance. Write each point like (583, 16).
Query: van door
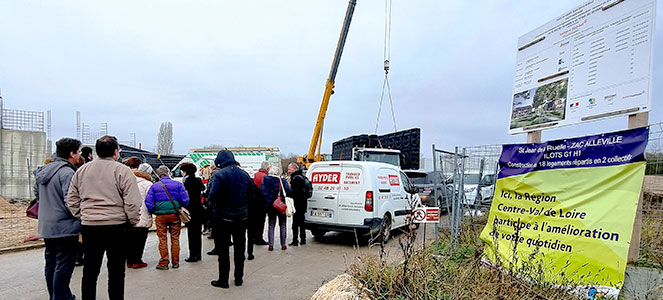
(352, 195)
(322, 206)
(391, 198)
(411, 199)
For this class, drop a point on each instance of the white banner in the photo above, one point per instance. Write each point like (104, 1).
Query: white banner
(593, 62)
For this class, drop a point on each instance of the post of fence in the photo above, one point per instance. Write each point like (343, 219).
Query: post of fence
(30, 190)
(435, 177)
(461, 212)
(636, 121)
(454, 204)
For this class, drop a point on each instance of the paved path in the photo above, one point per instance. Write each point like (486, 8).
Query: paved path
(292, 274)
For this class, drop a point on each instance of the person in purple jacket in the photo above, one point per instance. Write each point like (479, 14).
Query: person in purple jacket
(159, 201)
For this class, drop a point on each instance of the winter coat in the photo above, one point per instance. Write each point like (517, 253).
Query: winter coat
(157, 200)
(194, 187)
(104, 192)
(299, 194)
(230, 189)
(258, 176)
(55, 219)
(256, 206)
(144, 181)
(271, 189)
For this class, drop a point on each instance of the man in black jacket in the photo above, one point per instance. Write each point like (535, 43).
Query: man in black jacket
(230, 192)
(300, 197)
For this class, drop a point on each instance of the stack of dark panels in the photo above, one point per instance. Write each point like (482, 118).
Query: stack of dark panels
(342, 150)
(407, 141)
(169, 161)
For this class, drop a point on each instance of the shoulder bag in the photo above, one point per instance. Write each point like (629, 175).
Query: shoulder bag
(33, 209)
(289, 202)
(183, 213)
(278, 203)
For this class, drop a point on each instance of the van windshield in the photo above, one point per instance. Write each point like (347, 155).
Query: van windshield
(390, 158)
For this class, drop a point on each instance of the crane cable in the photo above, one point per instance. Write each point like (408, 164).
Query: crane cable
(386, 55)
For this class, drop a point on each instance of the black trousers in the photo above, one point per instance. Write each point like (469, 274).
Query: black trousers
(137, 238)
(297, 226)
(259, 226)
(60, 255)
(193, 233)
(222, 232)
(97, 240)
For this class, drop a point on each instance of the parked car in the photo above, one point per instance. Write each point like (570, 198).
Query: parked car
(478, 190)
(426, 181)
(360, 197)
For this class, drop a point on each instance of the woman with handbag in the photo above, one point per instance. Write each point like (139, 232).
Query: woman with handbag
(166, 199)
(274, 190)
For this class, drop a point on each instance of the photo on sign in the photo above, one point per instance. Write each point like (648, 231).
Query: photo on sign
(543, 104)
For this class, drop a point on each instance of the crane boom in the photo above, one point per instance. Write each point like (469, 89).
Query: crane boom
(329, 87)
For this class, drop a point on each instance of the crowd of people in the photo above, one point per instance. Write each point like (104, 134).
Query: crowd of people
(107, 203)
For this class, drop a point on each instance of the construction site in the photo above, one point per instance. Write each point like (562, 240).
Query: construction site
(434, 167)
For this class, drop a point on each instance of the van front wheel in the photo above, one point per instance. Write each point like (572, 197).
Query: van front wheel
(385, 228)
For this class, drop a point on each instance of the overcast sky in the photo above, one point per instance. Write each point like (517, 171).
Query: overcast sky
(253, 72)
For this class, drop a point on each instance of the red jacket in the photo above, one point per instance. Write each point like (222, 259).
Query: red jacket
(257, 178)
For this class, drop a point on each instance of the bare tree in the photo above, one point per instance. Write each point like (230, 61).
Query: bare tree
(286, 160)
(165, 138)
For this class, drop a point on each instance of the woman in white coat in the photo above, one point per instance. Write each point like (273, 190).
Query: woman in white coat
(138, 233)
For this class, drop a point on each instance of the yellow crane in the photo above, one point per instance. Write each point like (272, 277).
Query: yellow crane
(316, 139)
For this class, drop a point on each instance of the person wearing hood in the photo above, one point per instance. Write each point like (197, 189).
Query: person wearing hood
(138, 233)
(230, 192)
(57, 225)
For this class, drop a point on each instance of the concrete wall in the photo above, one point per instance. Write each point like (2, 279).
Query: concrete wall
(21, 152)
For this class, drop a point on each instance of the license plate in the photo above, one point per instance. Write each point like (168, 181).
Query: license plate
(321, 213)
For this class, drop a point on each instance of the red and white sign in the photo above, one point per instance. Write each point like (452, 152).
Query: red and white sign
(393, 180)
(326, 178)
(426, 215)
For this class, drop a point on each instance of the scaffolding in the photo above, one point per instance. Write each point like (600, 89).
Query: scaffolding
(23, 120)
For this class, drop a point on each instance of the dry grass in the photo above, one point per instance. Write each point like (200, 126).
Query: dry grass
(454, 274)
(14, 225)
(651, 240)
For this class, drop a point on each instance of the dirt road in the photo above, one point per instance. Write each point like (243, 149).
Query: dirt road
(295, 273)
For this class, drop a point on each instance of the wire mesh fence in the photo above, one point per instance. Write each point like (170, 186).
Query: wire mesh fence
(651, 239)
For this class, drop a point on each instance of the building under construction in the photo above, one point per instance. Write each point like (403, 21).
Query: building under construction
(25, 143)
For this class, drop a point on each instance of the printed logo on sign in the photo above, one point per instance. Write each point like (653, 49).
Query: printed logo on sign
(326, 178)
(393, 180)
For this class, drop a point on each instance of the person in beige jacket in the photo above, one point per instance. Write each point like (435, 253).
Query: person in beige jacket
(105, 196)
(138, 233)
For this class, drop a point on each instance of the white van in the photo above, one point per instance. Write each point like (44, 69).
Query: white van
(358, 196)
